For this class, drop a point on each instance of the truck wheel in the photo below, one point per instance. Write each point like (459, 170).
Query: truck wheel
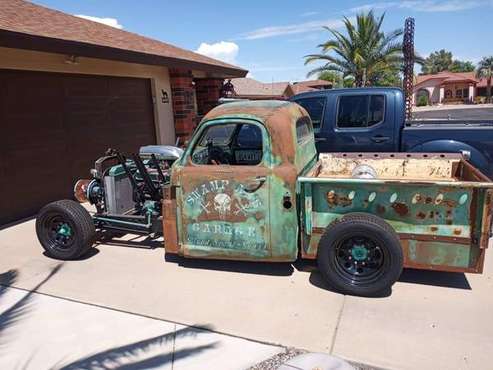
(65, 229)
(360, 254)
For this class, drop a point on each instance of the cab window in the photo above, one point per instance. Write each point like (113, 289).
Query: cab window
(315, 108)
(238, 144)
(303, 130)
(360, 111)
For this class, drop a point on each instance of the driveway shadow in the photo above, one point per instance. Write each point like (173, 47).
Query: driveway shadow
(129, 355)
(259, 268)
(135, 241)
(457, 280)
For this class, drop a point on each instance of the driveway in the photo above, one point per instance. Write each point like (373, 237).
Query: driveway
(430, 320)
(455, 112)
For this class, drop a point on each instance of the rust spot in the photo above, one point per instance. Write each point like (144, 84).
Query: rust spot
(421, 215)
(400, 208)
(448, 222)
(380, 209)
(449, 203)
(432, 214)
(331, 197)
(433, 228)
(457, 231)
(429, 200)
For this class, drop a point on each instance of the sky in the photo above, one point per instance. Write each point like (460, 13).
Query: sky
(271, 38)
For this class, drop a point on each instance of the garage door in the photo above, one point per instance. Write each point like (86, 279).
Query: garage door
(53, 127)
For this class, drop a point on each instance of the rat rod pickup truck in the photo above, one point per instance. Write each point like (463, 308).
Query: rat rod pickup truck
(250, 186)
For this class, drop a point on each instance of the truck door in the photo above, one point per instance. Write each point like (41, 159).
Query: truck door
(224, 192)
(362, 122)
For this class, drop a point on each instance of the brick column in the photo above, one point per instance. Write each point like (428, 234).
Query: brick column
(182, 94)
(208, 92)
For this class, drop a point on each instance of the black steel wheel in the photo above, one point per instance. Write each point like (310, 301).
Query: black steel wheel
(65, 229)
(360, 254)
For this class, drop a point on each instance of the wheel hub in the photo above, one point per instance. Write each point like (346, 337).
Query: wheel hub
(64, 230)
(359, 252)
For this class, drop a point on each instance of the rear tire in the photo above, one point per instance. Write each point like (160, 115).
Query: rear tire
(360, 254)
(65, 229)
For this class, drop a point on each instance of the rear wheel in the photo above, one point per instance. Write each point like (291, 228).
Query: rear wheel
(360, 254)
(65, 229)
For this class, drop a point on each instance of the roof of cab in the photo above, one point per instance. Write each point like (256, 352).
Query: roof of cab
(259, 109)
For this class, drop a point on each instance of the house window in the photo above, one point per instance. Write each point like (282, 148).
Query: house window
(356, 111)
(448, 93)
(465, 93)
(458, 93)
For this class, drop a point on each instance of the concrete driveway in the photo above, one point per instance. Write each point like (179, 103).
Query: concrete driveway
(430, 320)
(461, 112)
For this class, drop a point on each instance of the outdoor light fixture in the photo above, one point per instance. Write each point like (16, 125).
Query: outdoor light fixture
(72, 59)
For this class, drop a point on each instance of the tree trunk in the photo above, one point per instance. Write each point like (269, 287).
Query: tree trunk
(488, 90)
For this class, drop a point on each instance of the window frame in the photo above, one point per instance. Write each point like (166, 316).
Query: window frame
(304, 138)
(187, 157)
(367, 112)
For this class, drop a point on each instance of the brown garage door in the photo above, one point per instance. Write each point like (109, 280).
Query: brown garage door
(53, 126)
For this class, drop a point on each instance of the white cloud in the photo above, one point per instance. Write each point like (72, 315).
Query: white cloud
(423, 5)
(272, 31)
(113, 22)
(309, 14)
(222, 50)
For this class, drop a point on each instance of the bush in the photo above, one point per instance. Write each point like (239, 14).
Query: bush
(422, 101)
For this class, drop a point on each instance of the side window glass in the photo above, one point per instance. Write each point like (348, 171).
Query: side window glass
(359, 111)
(303, 129)
(229, 144)
(315, 108)
(352, 111)
(376, 110)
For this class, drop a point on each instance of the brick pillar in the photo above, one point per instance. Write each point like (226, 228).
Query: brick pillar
(208, 92)
(182, 94)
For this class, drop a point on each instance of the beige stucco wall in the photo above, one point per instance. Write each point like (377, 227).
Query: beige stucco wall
(50, 62)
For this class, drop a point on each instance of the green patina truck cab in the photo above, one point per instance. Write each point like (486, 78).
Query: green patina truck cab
(251, 187)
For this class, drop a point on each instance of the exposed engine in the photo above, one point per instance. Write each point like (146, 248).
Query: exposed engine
(127, 192)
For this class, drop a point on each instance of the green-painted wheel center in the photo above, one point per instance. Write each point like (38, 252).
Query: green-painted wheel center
(359, 252)
(65, 230)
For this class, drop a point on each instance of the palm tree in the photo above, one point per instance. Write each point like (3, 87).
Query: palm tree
(485, 70)
(364, 54)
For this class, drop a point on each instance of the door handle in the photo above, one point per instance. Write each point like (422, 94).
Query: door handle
(254, 184)
(380, 139)
(318, 139)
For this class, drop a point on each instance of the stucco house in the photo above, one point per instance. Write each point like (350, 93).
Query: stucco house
(449, 88)
(71, 88)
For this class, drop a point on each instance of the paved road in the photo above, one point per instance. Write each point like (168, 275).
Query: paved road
(467, 113)
(430, 320)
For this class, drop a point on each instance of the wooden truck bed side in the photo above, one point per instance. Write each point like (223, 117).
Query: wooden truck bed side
(442, 219)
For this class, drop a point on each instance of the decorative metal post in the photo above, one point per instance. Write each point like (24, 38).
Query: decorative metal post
(408, 51)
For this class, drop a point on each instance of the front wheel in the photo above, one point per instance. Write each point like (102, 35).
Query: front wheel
(65, 229)
(360, 254)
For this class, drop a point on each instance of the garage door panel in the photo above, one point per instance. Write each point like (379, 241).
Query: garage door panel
(57, 126)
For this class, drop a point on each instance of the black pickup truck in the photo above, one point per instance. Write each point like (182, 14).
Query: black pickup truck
(373, 120)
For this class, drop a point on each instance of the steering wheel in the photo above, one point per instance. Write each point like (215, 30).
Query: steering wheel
(217, 155)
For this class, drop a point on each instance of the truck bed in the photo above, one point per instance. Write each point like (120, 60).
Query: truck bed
(438, 204)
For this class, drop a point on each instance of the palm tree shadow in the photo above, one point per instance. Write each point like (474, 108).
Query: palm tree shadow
(23, 306)
(121, 357)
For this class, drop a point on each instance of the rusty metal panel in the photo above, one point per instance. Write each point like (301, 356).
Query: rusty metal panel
(487, 219)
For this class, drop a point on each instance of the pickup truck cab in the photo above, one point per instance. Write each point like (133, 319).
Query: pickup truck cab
(250, 186)
(373, 120)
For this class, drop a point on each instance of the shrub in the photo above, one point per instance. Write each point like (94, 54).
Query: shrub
(422, 101)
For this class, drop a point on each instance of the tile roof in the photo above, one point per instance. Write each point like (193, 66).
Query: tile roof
(251, 87)
(446, 76)
(27, 18)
